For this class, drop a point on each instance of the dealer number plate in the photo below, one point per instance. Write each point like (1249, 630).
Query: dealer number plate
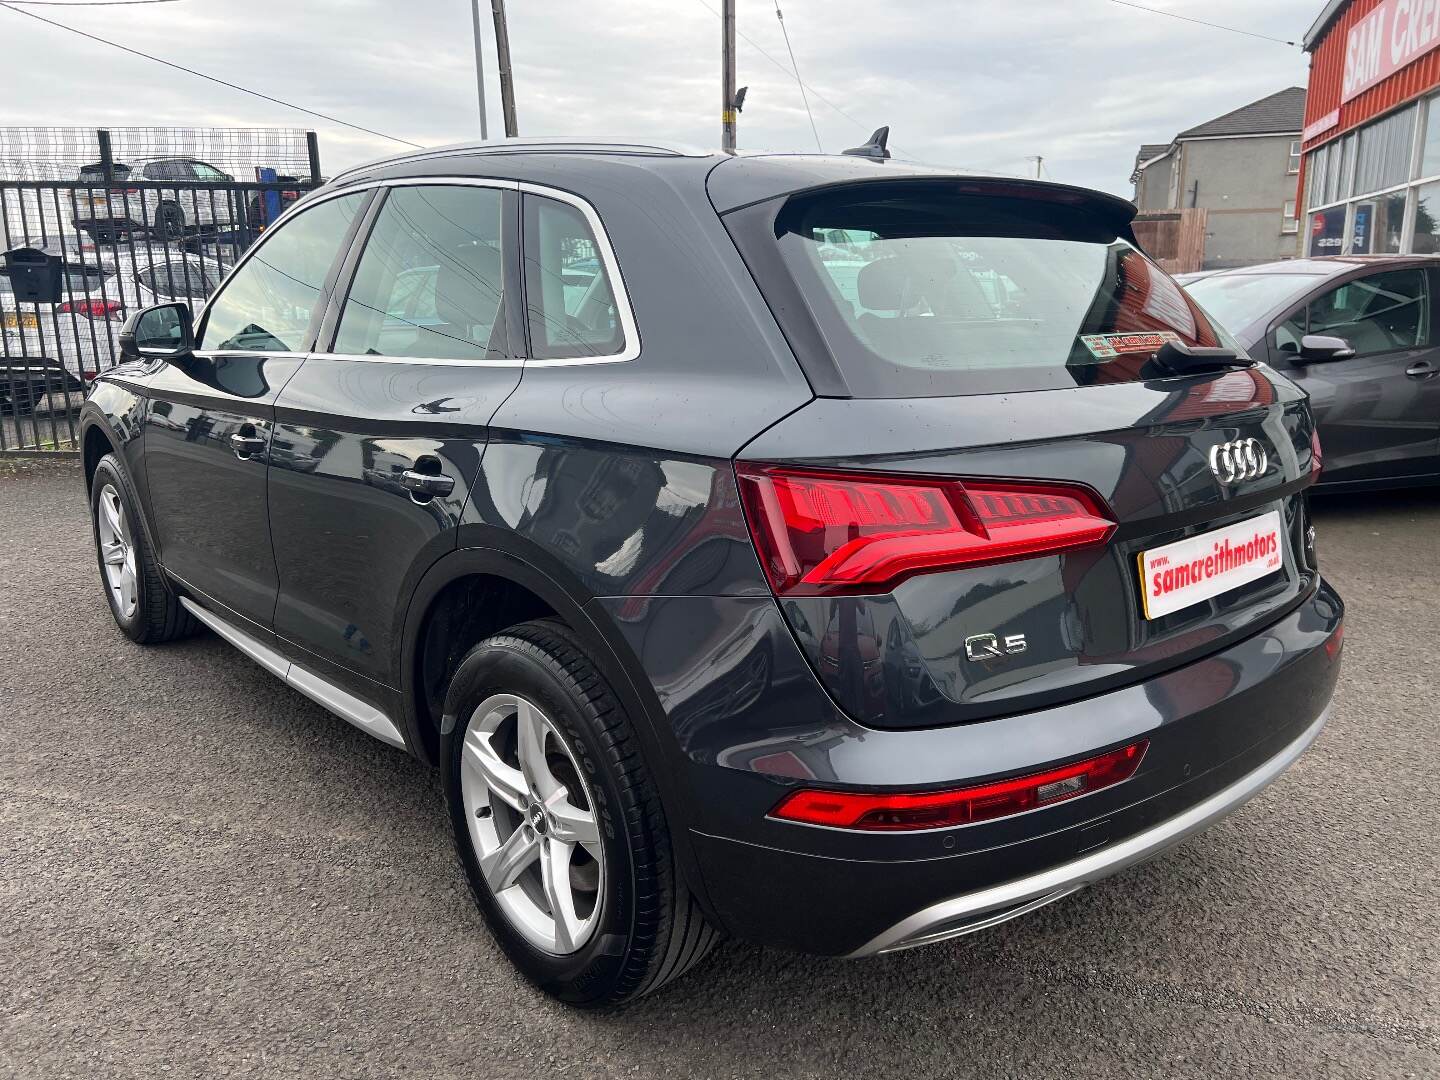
(1179, 575)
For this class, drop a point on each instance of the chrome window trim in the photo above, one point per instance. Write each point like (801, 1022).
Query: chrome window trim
(623, 307)
(418, 361)
(612, 268)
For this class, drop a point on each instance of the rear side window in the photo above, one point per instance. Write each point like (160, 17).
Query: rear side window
(431, 281)
(922, 291)
(570, 299)
(267, 304)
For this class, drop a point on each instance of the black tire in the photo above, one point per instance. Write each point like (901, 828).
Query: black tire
(169, 221)
(157, 614)
(650, 929)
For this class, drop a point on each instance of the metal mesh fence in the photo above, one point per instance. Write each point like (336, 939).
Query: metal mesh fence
(58, 153)
(161, 229)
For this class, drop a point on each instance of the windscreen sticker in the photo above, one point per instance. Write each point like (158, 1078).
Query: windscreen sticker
(1106, 346)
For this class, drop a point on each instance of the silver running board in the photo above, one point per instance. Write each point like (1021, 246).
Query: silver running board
(326, 694)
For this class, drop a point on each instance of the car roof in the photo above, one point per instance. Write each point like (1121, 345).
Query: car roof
(732, 180)
(1328, 265)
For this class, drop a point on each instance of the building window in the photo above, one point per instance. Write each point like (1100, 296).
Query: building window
(1362, 188)
(1289, 223)
(1425, 235)
(1430, 149)
(1384, 159)
(1327, 232)
(1294, 158)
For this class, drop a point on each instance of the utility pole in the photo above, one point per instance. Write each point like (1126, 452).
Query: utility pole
(727, 76)
(502, 56)
(480, 71)
(1039, 166)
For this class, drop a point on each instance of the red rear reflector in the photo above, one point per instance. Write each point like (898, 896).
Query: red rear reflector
(92, 309)
(964, 806)
(822, 532)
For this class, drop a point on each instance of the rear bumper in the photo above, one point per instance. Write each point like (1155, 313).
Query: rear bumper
(984, 908)
(749, 723)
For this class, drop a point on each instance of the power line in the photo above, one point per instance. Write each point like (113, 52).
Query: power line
(6, 4)
(796, 68)
(1202, 22)
(788, 74)
(88, 3)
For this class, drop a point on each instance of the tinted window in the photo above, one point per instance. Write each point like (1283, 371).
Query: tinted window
(267, 304)
(95, 174)
(570, 299)
(182, 280)
(431, 280)
(167, 170)
(1376, 314)
(209, 173)
(920, 291)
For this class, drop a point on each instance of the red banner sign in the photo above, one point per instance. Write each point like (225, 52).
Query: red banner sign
(1395, 34)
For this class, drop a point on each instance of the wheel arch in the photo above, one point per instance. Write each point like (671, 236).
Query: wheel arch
(504, 559)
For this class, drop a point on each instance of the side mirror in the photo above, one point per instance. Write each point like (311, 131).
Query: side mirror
(1322, 349)
(163, 331)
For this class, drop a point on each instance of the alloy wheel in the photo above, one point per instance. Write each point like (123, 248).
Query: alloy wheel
(532, 824)
(117, 550)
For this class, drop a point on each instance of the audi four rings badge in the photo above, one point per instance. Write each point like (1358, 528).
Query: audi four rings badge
(1243, 459)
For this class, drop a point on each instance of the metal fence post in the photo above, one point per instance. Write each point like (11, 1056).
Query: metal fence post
(312, 144)
(107, 159)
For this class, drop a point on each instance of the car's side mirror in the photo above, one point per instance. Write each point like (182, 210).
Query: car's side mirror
(1323, 349)
(164, 331)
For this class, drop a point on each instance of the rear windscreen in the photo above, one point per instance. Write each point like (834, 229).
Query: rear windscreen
(920, 291)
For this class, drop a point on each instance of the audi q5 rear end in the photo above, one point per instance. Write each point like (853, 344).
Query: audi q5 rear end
(829, 552)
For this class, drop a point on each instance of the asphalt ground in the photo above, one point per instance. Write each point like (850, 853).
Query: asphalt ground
(203, 874)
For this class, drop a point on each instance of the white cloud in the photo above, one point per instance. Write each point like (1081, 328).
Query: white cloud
(961, 82)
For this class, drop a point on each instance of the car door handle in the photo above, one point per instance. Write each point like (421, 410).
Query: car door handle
(427, 485)
(246, 445)
(1422, 369)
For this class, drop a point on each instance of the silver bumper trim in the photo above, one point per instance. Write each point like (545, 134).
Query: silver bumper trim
(1000, 903)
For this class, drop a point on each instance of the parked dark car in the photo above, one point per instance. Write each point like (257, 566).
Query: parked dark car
(831, 552)
(166, 197)
(1359, 333)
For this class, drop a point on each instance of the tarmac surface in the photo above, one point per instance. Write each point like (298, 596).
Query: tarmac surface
(204, 874)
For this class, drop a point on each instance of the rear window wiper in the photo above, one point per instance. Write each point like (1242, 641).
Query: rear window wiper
(1177, 358)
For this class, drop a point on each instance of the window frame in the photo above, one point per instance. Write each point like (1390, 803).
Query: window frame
(327, 287)
(630, 348)
(517, 328)
(515, 346)
(1427, 275)
(1292, 167)
(1290, 222)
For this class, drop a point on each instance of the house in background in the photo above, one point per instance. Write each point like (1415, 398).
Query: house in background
(1241, 169)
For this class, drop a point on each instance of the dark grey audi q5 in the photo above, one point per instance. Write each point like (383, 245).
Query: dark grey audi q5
(831, 552)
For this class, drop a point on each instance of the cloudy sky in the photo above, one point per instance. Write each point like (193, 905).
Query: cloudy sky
(982, 84)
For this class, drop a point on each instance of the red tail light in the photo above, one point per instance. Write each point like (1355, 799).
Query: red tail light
(1317, 456)
(964, 806)
(93, 309)
(822, 532)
